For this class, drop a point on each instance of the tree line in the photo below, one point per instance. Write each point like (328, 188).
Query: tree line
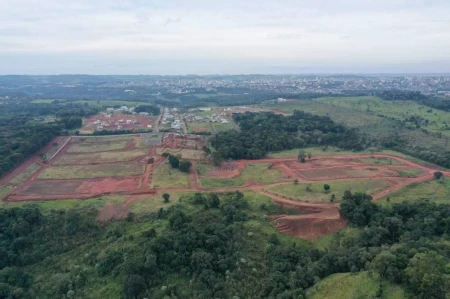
(263, 132)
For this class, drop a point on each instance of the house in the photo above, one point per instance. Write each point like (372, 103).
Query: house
(144, 113)
(281, 100)
(149, 126)
(119, 127)
(128, 121)
(99, 128)
(97, 122)
(109, 110)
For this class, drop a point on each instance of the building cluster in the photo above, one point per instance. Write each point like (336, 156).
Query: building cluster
(292, 83)
(125, 109)
(172, 118)
(115, 124)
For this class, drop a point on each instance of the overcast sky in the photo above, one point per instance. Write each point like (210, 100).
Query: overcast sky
(223, 37)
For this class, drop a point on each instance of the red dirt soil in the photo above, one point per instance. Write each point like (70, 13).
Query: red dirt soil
(200, 130)
(314, 220)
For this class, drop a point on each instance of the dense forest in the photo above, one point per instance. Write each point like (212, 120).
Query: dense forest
(21, 137)
(261, 133)
(205, 249)
(24, 131)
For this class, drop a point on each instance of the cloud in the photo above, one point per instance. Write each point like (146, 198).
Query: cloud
(252, 34)
(171, 21)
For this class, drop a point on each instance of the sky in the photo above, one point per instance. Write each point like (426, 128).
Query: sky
(178, 37)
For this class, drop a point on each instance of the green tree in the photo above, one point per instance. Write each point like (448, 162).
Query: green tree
(301, 156)
(426, 276)
(166, 197)
(438, 175)
(185, 166)
(326, 187)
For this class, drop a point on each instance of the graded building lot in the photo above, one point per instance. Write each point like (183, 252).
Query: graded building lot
(315, 192)
(89, 147)
(46, 187)
(92, 171)
(252, 173)
(25, 175)
(189, 154)
(167, 177)
(101, 157)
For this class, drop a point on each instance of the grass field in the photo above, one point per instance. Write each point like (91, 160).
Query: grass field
(257, 171)
(332, 151)
(155, 202)
(103, 157)
(185, 153)
(47, 206)
(4, 190)
(435, 191)
(25, 175)
(167, 177)
(192, 126)
(381, 161)
(222, 127)
(410, 172)
(89, 147)
(343, 115)
(92, 171)
(399, 110)
(318, 194)
(315, 151)
(359, 285)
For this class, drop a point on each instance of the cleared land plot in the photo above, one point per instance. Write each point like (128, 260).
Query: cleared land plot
(185, 153)
(25, 175)
(433, 120)
(198, 127)
(381, 161)
(146, 204)
(315, 151)
(343, 172)
(317, 192)
(92, 171)
(435, 191)
(4, 190)
(330, 151)
(103, 157)
(89, 147)
(49, 187)
(222, 127)
(359, 285)
(259, 172)
(409, 172)
(102, 139)
(167, 177)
